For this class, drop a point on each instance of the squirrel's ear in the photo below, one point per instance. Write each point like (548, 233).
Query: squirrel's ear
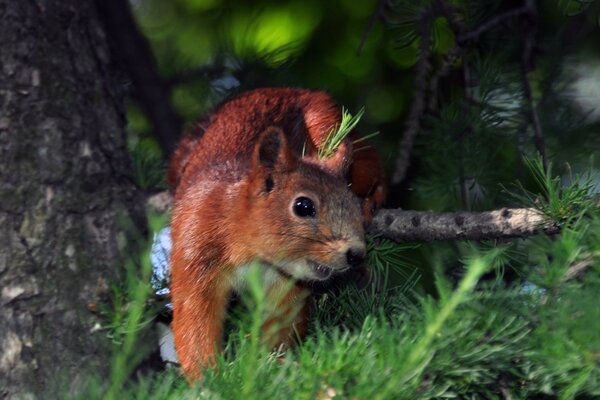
(272, 151)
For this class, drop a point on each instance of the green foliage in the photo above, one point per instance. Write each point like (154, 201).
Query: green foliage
(385, 254)
(146, 156)
(148, 168)
(556, 200)
(574, 7)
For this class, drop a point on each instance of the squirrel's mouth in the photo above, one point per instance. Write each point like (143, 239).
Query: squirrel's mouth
(308, 270)
(321, 271)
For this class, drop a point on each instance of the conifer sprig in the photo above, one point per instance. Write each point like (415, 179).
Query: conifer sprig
(557, 200)
(339, 133)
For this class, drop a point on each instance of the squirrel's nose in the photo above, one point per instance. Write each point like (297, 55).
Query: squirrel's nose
(355, 256)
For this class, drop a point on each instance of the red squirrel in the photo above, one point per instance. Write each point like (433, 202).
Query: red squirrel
(248, 185)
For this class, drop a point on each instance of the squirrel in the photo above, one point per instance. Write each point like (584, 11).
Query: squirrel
(248, 185)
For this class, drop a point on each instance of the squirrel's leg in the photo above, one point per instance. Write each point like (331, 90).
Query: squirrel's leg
(198, 312)
(288, 319)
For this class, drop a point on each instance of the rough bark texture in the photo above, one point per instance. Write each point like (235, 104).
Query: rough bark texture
(64, 193)
(404, 226)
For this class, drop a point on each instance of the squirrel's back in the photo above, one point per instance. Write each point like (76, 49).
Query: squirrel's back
(229, 133)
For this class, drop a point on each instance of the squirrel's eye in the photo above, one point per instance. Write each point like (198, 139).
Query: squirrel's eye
(304, 207)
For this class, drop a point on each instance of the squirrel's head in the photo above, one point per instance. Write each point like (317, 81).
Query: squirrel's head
(305, 220)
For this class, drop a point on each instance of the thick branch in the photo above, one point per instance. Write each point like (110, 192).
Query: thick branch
(136, 56)
(408, 226)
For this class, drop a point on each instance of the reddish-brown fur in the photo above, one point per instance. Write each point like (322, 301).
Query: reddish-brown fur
(235, 188)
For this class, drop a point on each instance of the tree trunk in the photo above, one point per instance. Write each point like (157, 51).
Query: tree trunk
(64, 193)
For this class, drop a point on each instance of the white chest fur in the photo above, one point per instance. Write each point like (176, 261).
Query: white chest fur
(268, 276)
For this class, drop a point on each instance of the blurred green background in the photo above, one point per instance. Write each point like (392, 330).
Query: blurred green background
(208, 50)
(306, 43)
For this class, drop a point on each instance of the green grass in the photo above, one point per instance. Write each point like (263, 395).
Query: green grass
(477, 338)
(471, 342)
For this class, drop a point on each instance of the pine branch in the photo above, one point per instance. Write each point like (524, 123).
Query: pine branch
(458, 28)
(423, 67)
(526, 65)
(407, 226)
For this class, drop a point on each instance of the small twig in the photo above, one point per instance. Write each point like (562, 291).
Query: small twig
(476, 33)
(377, 14)
(504, 390)
(442, 72)
(578, 267)
(453, 17)
(417, 109)
(408, 226)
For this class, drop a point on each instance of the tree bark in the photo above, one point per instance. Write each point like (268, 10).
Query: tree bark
(64, 194)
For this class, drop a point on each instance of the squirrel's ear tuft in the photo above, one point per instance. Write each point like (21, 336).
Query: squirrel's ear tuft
(272, 151)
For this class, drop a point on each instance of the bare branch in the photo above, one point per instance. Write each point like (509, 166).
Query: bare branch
(417, 109)
(408, 226)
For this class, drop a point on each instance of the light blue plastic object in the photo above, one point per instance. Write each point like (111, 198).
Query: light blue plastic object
(531, 288)
(159, 257)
